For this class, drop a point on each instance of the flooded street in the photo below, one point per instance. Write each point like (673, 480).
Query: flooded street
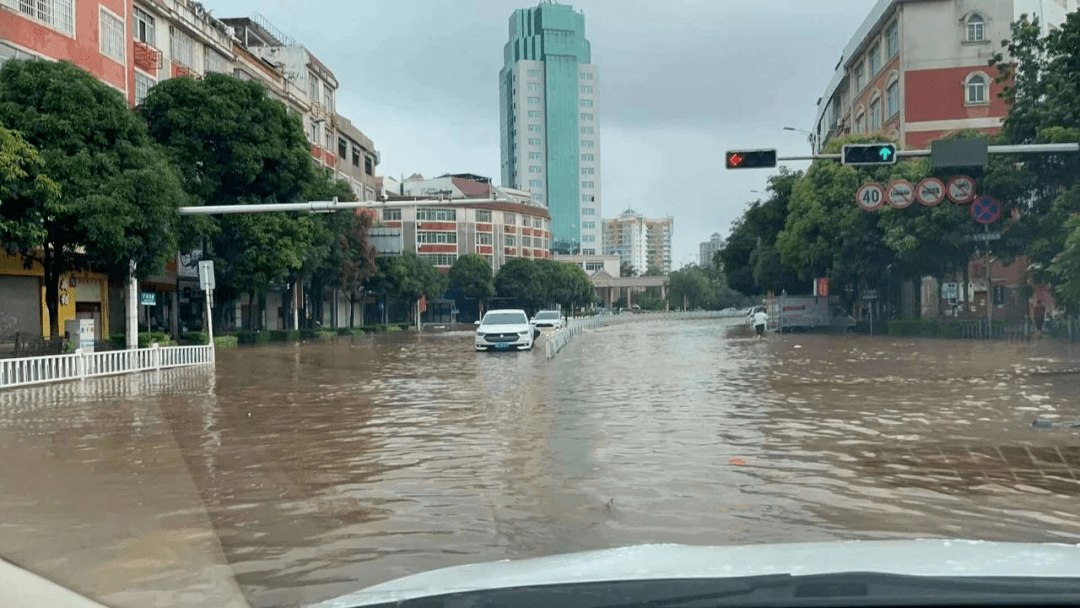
(298, 473)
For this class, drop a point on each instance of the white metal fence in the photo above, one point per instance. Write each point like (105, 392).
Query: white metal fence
(54, 368)
(557, 340)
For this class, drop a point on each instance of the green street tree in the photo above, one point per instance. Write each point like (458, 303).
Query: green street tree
(117, 191)
(471, 274)
(26, 192)
(407, 277)
(688, 286)
(521, 280)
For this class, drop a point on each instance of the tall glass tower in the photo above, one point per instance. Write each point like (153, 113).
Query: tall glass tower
(549, 111)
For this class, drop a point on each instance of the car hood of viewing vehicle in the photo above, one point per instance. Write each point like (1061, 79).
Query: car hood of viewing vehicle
(937, 558)
(503, 329)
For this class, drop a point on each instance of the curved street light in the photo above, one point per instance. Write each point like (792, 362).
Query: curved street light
(810, 137)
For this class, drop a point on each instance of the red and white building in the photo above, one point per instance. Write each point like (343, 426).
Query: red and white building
(916, 70)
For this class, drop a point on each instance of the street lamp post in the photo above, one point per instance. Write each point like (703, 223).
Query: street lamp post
(810, 137)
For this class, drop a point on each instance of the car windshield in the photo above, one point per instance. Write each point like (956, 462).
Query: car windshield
(802, 271)
(505, 318)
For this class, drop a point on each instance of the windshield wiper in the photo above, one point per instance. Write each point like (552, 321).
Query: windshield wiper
(847, 589)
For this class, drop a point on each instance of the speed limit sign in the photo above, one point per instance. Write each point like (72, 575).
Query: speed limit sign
(870, 196)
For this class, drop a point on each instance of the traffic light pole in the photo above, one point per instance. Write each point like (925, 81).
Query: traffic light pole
(1011, 149)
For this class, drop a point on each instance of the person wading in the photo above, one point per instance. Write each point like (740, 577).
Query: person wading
(760, 319)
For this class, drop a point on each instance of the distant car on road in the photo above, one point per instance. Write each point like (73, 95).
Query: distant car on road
(549, 318)
(505, 330)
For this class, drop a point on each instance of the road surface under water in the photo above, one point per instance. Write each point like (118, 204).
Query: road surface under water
(297, 473)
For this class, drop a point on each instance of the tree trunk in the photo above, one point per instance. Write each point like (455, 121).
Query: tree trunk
(52, 289)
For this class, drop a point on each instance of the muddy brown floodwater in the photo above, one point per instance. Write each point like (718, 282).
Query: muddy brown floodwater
(293, 474)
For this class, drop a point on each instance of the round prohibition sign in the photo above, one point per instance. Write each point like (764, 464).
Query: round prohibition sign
(986, 210)
(930, 192)
(870, 196)
(900, 195)
(961, 189)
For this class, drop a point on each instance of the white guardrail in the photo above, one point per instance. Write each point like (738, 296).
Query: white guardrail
(79, 365)
(556, 341)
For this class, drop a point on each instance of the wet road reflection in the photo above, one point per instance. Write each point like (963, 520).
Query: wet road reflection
(324, 468)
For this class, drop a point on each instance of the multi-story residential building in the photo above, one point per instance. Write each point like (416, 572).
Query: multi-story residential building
(357, 160)
(625, 236)
(549, 110)
(640, 242)
(707, 249)
(918, 69)
(304, 70)
(441, 232)
(658, 243)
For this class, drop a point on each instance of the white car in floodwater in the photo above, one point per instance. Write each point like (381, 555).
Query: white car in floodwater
(548, 318)
(505, 330)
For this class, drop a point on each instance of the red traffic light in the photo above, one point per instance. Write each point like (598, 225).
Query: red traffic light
(751, 159)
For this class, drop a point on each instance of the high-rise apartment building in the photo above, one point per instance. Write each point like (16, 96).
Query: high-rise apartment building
(707, 249)
(549, 122)
(639, 242)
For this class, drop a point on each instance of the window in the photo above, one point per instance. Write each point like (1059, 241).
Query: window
(892, 98)
(439, 259)
(587, 198)
(534, 113)
(532, 86)
(534, 100)
(586, 143)
(588, 184)
(534, 156)
(535, 169)
(144, 26)
(436, 215)
(314, 133)
(369, 165)
(586, 130)
(859, 77)
(329, 140)
(328, 97)
(860, 123)
(586, 90)
(181, 48)
(215, 62)
(534, 141)
(483, 215)
(535, 128)
(509, 241)
(588, 252)
(875, 114)
(588, 157)
(976, 89)
(535, 183)
(588, 211)
(342, 148)
(509, 218)
(586, 116)
(533, 73)
(892, 40)
(588, 238)
(356, 157)
(57, 14)
(588, 171)
(112, 36)
(874, 59)
(391, 214)
(483, 238)
(588, 225)
(313, 89)
(586, 103)
(143, 83)
(586, 75)
(538, 222)
(526, 241)
(976, 29)
(594, 266)
(525, 221)
(436, 237)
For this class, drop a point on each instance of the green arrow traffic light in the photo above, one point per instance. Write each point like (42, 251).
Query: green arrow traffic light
(868, 154)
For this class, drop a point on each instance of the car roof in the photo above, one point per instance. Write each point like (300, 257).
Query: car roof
(540, 311)
(491, 312)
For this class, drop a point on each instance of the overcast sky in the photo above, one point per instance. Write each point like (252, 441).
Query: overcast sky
(681, 81)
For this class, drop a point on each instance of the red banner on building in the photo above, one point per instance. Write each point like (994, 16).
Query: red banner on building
(821, 288)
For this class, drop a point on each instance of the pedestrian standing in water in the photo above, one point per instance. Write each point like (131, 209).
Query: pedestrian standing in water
(1039, 315)
(760, 319)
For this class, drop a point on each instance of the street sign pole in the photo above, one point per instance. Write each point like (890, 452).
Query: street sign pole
(989, 283)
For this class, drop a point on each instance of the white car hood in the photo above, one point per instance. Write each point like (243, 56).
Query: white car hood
(503, 329)
(644, 562)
